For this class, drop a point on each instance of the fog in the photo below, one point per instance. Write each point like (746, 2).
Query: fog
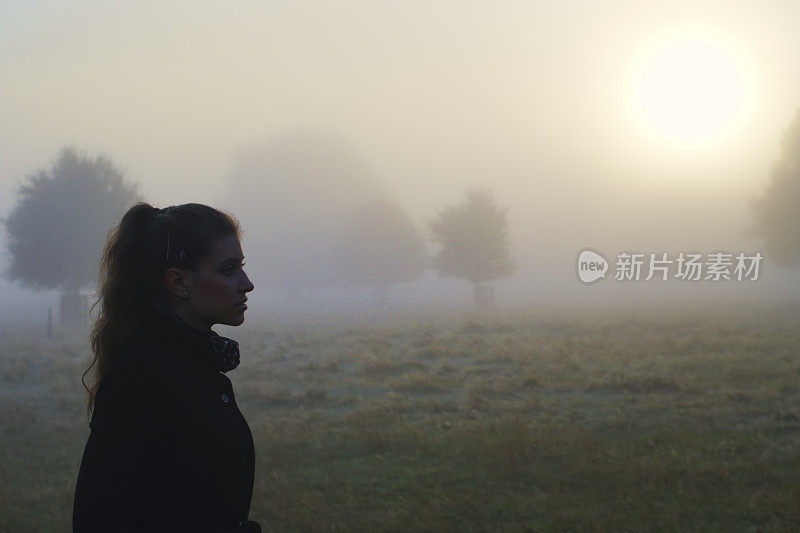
(290, 115)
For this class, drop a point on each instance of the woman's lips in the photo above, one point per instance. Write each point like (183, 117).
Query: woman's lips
(241, 306)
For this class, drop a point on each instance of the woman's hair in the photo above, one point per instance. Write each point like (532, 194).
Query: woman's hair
(145, 243)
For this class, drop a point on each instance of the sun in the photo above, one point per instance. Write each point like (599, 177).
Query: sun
(690, 91)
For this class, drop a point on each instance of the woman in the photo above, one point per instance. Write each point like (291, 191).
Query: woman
(169, 450)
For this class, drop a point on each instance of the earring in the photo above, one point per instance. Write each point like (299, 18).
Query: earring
(184, 294)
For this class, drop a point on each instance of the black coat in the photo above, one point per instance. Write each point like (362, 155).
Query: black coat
(169, 450)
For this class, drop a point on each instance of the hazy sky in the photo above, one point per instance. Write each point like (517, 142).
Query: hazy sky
(536, 99)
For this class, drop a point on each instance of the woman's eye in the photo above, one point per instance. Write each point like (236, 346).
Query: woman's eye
(229, 271)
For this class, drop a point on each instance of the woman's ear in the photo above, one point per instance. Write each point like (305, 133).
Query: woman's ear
(179, 282)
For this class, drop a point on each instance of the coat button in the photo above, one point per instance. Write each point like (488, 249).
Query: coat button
(225, 398)
(245, 457)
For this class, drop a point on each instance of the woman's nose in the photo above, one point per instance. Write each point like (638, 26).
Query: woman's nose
(248, 285)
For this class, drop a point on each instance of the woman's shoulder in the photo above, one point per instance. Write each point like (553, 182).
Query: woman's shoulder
(143, 359)
(133, 384)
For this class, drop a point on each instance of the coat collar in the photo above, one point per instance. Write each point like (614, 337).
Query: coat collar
(220, 353)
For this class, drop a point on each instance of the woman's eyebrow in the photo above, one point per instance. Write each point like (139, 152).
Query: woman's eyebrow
(232, 260)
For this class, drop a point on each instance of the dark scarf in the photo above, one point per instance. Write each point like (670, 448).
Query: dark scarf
(220, 353)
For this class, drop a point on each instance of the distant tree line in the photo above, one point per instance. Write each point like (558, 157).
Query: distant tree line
(58, 228)
(59, 225)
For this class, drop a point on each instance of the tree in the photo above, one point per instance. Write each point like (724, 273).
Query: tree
(381, 247)
(57, 230)
(474, 243)
(777, 211)
(299, 190)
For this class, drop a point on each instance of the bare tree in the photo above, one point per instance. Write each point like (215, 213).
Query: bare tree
(474, 243)
(57, 230)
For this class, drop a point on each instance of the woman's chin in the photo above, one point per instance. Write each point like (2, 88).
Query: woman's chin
(235, 320)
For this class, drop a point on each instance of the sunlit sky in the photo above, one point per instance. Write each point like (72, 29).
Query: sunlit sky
(559, 107)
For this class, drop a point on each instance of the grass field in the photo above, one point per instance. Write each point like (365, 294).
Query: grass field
(670, 420)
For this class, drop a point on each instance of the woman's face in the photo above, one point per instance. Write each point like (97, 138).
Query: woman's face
(217, 288)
